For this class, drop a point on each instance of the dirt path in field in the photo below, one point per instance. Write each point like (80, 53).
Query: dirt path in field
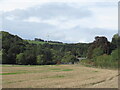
(58, 76)
(111, 81)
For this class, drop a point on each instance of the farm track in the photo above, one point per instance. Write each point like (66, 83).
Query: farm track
(102, 82)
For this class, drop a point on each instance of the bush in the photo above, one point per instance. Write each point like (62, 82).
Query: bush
(40, 59)
(105, 61)
(97, 52)
(114, 55)
(69, 58)
(87, 62)
(20, 58)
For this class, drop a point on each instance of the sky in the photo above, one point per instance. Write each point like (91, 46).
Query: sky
(69, 21)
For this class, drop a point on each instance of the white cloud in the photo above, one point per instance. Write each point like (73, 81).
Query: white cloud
(61, 23)
(12, 17)
(67, 22)
(105, 17)
(8, 5)
(33, 19)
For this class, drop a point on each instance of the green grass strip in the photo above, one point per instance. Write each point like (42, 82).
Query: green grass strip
(67, 70)
(7, 73)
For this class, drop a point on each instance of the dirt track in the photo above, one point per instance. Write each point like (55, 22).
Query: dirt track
(58, 76)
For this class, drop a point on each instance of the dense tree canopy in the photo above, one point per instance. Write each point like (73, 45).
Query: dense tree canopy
(15, 50)
(100, 46)
(102, 53)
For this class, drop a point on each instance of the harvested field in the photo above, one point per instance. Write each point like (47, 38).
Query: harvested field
(58, 76)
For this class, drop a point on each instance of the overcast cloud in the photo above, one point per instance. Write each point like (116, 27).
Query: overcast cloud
(62, 21)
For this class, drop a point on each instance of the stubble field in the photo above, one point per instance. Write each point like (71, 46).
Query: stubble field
(58, 76)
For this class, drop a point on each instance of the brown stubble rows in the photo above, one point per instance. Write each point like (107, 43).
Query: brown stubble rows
(59, 76)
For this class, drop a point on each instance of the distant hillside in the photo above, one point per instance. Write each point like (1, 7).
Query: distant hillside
(42, 42)
(100, 52)
(18, 51)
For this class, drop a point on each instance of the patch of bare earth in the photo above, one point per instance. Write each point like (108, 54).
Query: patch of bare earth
(61, 76)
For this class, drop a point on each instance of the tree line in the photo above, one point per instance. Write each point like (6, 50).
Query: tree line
(15, 50)
(100, 52)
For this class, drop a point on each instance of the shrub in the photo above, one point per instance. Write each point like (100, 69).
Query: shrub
(105, 61)
(114, 55)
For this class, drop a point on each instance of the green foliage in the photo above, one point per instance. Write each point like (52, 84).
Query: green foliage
(105, 61)
(1, 57)
(30, 59)
(57, 56)
(114, 55)
(97, 52)
(11, 45)
(69, 58)
(87, 62)
(40, 59)
(20, 59)
(102, 60)
(35, 42)
(41, 42)
(15, 50)
(102, 53)
(100, 46)
(29, 52)
(115, 42)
